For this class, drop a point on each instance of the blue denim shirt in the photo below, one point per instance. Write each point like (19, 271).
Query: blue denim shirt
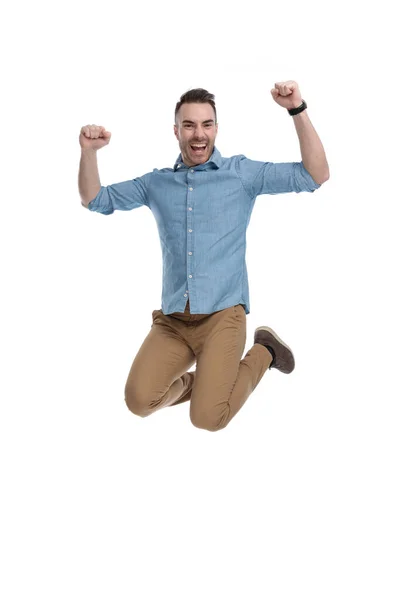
(202, 214)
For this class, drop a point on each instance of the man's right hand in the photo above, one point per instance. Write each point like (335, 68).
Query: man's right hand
(94, 137)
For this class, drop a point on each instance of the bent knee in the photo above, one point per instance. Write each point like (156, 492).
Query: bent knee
(208, 420)
(138, 404)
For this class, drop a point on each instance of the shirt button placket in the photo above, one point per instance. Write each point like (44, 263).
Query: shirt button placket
(190, 230)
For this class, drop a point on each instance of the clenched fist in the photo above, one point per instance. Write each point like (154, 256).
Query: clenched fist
(287, 94)
(94, 137)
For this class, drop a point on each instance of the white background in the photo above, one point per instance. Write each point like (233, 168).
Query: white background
(298, 497)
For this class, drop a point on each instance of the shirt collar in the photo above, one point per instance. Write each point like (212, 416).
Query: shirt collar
(215, 161)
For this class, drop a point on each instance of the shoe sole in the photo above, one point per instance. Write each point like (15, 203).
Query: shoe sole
(272, 332)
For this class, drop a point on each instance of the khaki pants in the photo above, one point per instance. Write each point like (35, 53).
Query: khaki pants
(222, 381)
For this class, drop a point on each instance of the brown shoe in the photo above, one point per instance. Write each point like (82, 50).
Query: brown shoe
(283, 358)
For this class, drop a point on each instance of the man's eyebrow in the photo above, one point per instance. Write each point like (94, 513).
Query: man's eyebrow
(193, 123)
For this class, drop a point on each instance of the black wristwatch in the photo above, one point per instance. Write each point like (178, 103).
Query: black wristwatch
(299, 109)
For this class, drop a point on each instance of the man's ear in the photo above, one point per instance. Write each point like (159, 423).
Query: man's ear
(176, 131)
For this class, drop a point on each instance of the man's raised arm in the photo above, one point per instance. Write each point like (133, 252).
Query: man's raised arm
(287, 94)
(91, 139)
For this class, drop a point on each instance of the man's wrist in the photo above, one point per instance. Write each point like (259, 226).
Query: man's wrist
(298, 109)
(88, 151)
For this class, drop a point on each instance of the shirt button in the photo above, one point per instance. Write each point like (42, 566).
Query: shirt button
(190, 276)
(190, 253)
(192, 170)
(178, 166)
(190, 208)
(185, 295)
(191, 189)
(190, 230)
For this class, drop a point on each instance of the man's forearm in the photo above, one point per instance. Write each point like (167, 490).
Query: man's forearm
(312, 150)
(88, 178)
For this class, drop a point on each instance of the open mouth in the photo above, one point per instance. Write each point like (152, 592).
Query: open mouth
(198, 148)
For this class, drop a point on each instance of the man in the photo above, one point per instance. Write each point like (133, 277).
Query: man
(202, 207)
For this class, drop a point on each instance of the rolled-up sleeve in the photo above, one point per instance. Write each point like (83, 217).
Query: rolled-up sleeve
(274, 178)
(125, 195)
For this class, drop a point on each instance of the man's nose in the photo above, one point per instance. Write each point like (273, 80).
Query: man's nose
(199, 132)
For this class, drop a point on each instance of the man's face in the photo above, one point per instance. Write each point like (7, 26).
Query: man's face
(195, 126)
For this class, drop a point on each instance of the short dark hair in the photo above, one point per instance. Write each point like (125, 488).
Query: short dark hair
(196, 95)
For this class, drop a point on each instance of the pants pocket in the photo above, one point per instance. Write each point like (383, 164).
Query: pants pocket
(154, 314)
(239, 310)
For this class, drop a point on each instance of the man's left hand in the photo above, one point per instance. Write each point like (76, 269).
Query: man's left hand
(287, 94)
